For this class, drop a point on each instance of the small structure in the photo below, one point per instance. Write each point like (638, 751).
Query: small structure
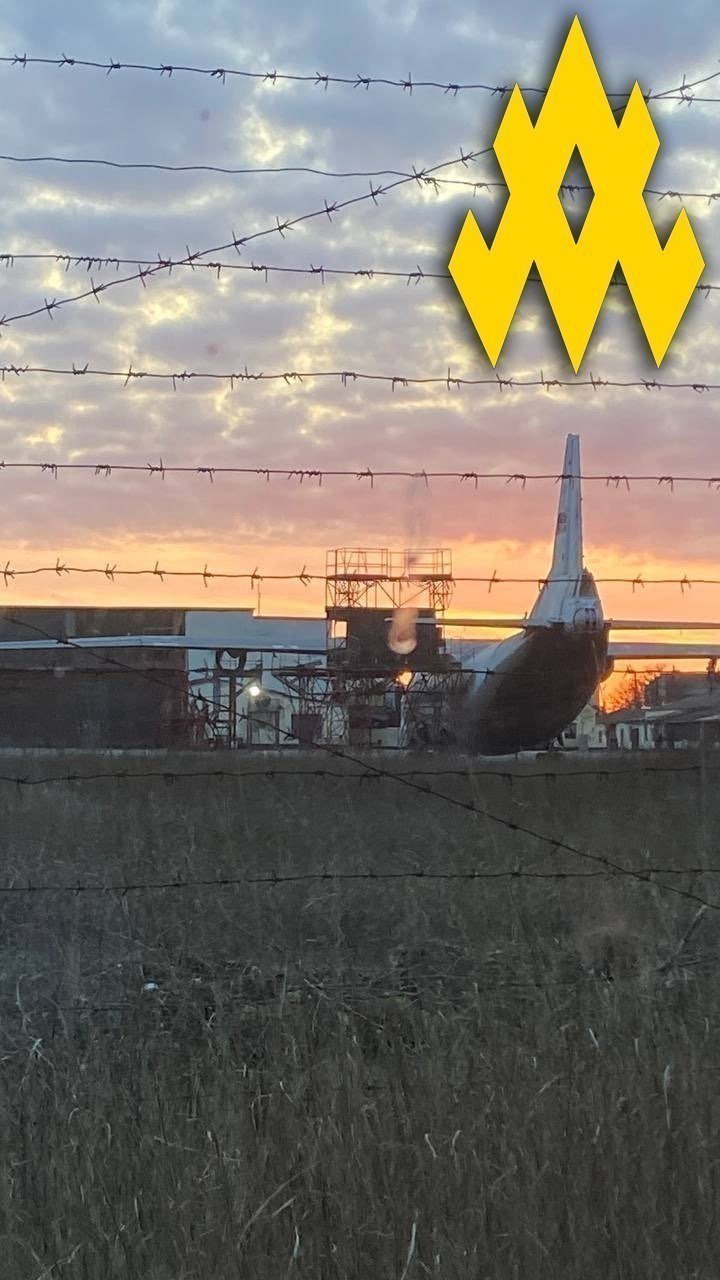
(370, 688)
(690, 723)
(587, 731)
(628, 730)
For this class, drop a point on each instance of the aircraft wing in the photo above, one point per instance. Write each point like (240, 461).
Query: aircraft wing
(635, 624)
(522, 624)
(502, 624)
(153, 642)
(656, 649)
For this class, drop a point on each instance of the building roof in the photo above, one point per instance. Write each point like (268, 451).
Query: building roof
(627, 715)
(679, 716)
(690, 710)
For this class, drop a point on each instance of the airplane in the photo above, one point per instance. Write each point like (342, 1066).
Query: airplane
(533, 683)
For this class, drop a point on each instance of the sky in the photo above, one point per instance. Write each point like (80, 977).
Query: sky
(203, 320)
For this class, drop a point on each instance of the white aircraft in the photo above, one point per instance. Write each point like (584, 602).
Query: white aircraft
(533, 683)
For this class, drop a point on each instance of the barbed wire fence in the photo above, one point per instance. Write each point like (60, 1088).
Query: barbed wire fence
(566, 190)
(682, 92)
(603, 866)
(348, 377)
(421, 177)
(241, 776)
(415, 275)
(112, 572)
(371, 475)
(422, 874)
(416, 175)
(203, 675)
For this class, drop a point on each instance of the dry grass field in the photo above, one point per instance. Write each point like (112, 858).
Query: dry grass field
(340, 1079)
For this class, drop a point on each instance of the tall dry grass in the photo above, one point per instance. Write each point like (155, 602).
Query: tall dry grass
(354, 1079)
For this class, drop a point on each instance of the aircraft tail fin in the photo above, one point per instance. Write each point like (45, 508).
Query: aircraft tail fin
(567, 561)
(568, 594)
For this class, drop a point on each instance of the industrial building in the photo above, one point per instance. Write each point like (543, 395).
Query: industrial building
(272, 682)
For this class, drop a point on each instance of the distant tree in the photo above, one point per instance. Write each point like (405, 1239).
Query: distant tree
(629, 693)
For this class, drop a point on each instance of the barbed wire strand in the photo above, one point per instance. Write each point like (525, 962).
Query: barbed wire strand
(621, 481)
(166, 70)
(301, 670)
(306, 877)
(510, 777)
(415, 275)
(565, 190)
(347, 377)
(556, 844)
(111, 572)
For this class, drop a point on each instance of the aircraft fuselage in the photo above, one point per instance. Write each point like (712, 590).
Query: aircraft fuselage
(535, 685)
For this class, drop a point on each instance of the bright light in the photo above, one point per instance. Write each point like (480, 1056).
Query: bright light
(404, 678)
(254, 690)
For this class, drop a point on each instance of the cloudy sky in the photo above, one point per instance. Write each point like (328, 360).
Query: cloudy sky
(219, 322)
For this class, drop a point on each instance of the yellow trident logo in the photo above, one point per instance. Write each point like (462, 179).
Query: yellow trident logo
(618, 227)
